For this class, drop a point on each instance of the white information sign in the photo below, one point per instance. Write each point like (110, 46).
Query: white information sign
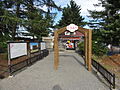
(43, 45)
(17, 49)
(72, 27)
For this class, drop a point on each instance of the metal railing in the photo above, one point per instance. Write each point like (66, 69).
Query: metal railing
(109, 77)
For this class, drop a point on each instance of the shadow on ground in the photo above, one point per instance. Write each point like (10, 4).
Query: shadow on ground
(56, 87)
(94, 72)
(74, 58)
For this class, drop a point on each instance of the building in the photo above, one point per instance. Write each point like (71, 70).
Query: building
(70, 39)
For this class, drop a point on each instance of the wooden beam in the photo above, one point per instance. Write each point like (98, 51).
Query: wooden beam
(59, 31)
(85, 49)
(56, 55)
(83, 30)
(89, 50)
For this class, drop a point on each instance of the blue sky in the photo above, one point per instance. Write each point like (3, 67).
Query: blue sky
(85, 6)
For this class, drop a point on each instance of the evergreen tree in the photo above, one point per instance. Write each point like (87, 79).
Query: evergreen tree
(40, 21)
(25, 13)
(106, 23)
(11, 17)
(71, 14)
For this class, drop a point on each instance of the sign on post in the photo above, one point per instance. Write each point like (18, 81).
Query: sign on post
(17, 49)
(72, 27)
(43, 45)
(34, 47)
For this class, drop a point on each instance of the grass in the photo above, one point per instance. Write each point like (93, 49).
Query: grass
(97, 58)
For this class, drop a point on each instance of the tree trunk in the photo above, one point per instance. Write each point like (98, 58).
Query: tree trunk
(17, 15)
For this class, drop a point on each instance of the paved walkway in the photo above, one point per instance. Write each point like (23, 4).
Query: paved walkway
(71, 75)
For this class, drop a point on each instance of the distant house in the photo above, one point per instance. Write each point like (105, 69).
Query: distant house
(70, 39)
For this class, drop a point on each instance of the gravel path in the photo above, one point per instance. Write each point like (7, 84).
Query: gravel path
(71, 75)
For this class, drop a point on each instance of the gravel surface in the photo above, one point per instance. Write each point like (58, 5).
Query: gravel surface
(71, 75)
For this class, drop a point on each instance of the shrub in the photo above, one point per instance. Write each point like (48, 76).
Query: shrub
(81, 47)
(98, 49)
(3, 47)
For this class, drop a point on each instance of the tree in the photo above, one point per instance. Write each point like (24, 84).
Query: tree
(25, 13)
(12, 16)
(39, 21)
(106, 23)
(71, 14)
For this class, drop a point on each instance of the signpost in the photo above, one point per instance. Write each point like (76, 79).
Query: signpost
(17, 50)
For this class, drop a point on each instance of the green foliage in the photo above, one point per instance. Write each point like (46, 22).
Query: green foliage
(81, 46)
(24, 13)
(106, 22)
(71, 14)
(3, 47)
(3, 44)
(98, 49)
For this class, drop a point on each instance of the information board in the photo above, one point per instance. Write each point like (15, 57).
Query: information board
(34, 47)
(17, 50)
(43, 45)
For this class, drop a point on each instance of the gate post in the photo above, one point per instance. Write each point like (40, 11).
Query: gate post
(56, 54)
(85, 49)
(89, 50)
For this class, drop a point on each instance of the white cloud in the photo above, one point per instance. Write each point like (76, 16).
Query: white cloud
(85, 5)
(44, 8)
(62, 3)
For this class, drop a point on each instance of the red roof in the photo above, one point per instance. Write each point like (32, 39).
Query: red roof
(71, 38)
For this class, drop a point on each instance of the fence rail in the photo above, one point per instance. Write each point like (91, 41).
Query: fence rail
(27, 62)
(105, 73)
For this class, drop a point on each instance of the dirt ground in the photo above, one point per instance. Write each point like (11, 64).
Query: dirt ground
(112, 63)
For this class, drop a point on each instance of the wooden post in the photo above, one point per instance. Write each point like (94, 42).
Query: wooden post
(56, 55)
(89, 49)
(85, 48)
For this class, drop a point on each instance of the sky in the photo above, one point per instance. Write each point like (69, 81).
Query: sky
(85, 6)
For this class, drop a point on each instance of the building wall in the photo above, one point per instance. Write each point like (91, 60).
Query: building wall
(49, 42)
